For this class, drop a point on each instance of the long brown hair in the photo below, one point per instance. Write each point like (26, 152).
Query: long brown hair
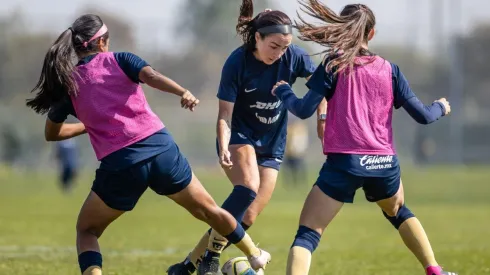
(343, 34)
(248, 25)
(56, 80)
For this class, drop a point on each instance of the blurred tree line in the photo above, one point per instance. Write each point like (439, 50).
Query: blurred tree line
(209, 25)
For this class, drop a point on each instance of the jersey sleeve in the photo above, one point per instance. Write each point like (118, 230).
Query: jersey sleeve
(406, 98)
(322, 82)
(303, 65)
(300, 107)
(401, 89)
(59, 111)
(228, 86)
(131, 65)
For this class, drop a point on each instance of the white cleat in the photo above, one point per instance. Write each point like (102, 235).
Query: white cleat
(260, 261)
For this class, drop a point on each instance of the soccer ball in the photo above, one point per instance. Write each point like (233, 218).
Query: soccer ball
(239, 266)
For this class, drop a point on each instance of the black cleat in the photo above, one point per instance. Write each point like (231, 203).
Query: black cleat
(182, 268)
(209, 265)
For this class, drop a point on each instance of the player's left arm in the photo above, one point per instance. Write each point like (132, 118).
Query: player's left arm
(301, 107)
(321, 117)
(320, 85)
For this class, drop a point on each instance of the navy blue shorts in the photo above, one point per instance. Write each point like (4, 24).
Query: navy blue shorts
(166, 173)
(341, 185)
(265, 158)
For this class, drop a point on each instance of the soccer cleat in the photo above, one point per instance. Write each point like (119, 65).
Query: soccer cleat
(260, 261)
(437, 270)
(182, 268)
(209, 264)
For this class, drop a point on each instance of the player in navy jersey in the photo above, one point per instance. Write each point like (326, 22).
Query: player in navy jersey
(252, 123)
(362, 89)
(135, 149)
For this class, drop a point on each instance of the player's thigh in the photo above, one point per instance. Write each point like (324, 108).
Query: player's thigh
(170, 171)
(319, 210)
(392, 204)
(195, 199)
(268, 180)
(95, 215)
(245, 170)
(386, 191)
(122, 189)
(338, 184)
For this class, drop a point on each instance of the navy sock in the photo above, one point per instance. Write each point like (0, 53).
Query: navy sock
(245, 227)
(403, 214)
(89, 258)
(307, 238)
(238, 202)
(237, 235)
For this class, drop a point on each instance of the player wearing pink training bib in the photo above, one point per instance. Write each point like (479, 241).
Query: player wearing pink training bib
(361, 89)
(135, 149)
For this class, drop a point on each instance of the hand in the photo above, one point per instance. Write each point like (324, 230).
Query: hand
(225, 159)
(188, 101)
(277, 85)
(267, 10)
(446, 105)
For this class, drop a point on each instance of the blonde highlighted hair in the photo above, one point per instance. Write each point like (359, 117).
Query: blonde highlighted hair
(343, 35)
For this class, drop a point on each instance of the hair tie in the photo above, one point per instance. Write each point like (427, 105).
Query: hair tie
(103, 30)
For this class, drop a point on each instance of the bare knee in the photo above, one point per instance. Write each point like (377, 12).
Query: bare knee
(251, 183)
(83, 228)
(250, 217)
(392, 210)
(392, 206)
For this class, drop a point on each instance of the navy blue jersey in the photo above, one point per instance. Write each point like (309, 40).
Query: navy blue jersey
(248, 82)
(153, 145)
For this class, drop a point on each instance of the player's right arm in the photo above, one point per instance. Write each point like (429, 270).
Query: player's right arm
(55, 128)
(61, 131)
(223, 131)
(227, 95)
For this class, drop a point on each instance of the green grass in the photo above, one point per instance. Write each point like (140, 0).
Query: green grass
(37, 227)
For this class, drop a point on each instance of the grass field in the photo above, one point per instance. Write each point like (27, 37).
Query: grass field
(37, 227)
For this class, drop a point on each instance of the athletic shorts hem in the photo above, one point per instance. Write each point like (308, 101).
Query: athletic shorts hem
(111, 204)
(333, 193)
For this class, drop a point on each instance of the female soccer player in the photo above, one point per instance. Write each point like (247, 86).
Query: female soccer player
(135, 149)
(251, 127)
(361, 89)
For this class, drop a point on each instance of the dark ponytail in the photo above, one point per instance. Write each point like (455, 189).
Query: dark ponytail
(57, 78)
(57, 74)
(248, 25)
